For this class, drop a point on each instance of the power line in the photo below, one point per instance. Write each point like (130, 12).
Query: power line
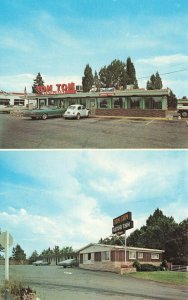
(166, 73)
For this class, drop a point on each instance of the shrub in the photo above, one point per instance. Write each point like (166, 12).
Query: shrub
(148, 267)
(164, 265)
(137, 265)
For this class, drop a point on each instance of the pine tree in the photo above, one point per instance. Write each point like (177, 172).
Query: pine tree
(87, 79)
(155, 82)
(18, 253)
(131, 73)
(38, 81)
(96, 82)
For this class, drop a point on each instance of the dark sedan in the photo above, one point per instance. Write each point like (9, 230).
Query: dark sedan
(72, 262)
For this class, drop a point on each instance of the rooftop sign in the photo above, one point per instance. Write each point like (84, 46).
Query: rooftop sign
(59, 89)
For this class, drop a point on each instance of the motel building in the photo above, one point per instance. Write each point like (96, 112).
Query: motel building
(112, 258)
(107, 102)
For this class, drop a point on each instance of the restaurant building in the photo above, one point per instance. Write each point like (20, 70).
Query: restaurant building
(107, 102)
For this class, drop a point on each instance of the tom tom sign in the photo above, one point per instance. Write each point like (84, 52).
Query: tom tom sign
(122, 223)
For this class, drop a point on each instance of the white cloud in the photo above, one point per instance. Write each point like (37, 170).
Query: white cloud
(164, 60)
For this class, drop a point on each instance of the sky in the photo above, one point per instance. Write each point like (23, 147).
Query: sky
(69, 198)
(58, 38)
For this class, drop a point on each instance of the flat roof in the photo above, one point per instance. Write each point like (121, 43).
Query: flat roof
(122, 93)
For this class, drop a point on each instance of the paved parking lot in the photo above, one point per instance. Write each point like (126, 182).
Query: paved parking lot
(57, 283)
(92, 133)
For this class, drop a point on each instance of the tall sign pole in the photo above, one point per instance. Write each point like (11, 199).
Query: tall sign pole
(120, 225)
(7, 256)
(6, 241)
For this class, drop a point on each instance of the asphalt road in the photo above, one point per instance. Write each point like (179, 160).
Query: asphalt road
(92, 133)
(57, 283)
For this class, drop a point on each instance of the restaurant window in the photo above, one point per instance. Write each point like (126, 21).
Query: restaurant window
(132, 254)
(134, 102)
(71, 101)
(153, 103)
(103, 103)
(83, 101)
(117, 103)
(51, 102)
(4, 101)
(19, 102)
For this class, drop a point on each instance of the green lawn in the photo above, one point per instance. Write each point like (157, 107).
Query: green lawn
(179, 278)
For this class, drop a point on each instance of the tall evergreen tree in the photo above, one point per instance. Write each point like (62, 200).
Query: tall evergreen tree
(87, 79)
(18, 253)
(38, 81)
(96, 81)
(172, 100)
(131, 73)
(155, 82)
(114, 75)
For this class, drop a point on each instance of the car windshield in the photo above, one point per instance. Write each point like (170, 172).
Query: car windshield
(72, 107)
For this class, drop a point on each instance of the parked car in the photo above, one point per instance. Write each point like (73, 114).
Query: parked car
(44, 112)
(40, 263)
(9, 108)
(76, 111)
(72, 262)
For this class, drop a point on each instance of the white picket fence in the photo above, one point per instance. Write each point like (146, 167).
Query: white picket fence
(179, 268)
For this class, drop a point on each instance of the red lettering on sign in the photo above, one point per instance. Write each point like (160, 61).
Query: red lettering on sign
(58, 87)
(61, 89)
(49, 88)
(64, 87)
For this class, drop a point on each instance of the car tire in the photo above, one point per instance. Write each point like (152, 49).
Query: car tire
(44, 116)
(78, 117)
(184, 114)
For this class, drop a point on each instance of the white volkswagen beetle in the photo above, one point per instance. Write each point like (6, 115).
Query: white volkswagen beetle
(76, 111)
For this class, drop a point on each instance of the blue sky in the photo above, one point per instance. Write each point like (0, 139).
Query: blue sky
(69, 198)
(58, 39)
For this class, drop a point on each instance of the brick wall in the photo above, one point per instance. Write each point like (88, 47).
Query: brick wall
(131, 112)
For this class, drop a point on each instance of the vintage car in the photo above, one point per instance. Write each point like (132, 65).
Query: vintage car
(76, 111)
(9, 108)
(40, 263)
(44, 112)
(72, 262)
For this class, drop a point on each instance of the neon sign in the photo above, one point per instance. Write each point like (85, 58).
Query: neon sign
(60, 89)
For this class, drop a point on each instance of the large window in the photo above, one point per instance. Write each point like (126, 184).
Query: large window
(117, 102)
(19, 102)
(132, 254)
(83, 101)
(153, 103)
(104, 103)
(134, 103)
(155, 256)
(140, 255)
(4, 101)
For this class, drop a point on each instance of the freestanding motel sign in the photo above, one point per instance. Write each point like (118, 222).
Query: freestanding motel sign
(121, 224)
